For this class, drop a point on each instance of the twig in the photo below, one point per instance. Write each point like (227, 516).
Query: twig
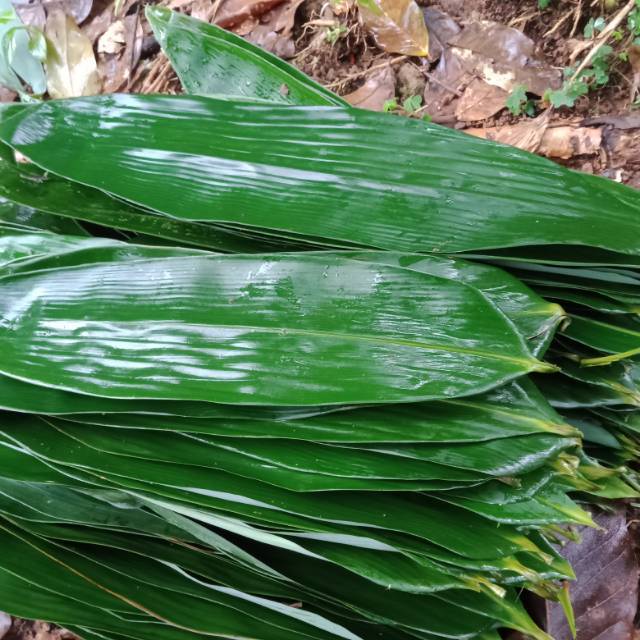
(559, 23)
(525, 18)
(213, 11)
(578, 15)
(604, 36)
(353, 76)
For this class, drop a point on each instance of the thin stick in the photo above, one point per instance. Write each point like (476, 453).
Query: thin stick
(578, 15)
(604, 36)
(559, 23)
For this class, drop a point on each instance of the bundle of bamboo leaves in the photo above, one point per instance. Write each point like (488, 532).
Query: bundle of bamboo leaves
(274, 371)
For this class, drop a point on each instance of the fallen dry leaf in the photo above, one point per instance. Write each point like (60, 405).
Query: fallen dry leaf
(489, 53)
(99, 23)
(273, 30)
(634, 61)
(442, 28)
(378, 89)
(233, 13)
(71, 65)
(396, 25)
(496, 41)
(116, 69)
(605, 594)
(33, 12)
(113, 39)
(480, 101)
(559, 143)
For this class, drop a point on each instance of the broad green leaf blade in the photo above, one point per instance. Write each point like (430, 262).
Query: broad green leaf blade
(514, 410)
(20, 249)
(53, 203)
(564, 392)
(326, 511)
(535, 318)
(505, 457)
(211, 61)
(585, 299)
(293, 457)
(570, 256)
(221, 613)
(195, 328)
(323, 171)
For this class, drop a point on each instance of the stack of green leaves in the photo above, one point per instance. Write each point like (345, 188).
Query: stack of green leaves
(268, 370)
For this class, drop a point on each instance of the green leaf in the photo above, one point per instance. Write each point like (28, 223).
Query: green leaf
(204, 336)
(19, 62)
(613, 336)
(517, 100)
(57, 203)
(310, 184)
(211, 61)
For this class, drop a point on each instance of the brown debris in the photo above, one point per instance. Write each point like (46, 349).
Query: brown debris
(605, 593)
(120, 53)
(557, 142)
(480, 100)
(28, 630)
(397, 26)
(375, 92)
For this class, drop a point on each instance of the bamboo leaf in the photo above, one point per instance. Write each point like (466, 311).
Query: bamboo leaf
(330, 177)
(211, 61)
(398, 331)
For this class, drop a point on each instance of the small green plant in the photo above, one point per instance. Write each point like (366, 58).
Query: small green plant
(594, 26)
(412, 104)
(390, 105)
(543, 4)
(518, 102)
(593, 77)
(633, 21)
(333, 34)
(22, 50)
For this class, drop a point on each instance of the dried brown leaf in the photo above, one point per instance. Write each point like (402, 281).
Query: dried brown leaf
(71, 66)
(634, 61)
(98, 23)
(113, 39)
(273, 31)
(396, 25)
(442, 28)
(480, 101)
(233, 13)
(560, 143)
(605, 594)
(33, 12)
(117, 68)
(378, 89)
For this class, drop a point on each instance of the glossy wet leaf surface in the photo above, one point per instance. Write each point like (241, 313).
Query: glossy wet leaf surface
(211, 61)
(330, 177)
(251, 330)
